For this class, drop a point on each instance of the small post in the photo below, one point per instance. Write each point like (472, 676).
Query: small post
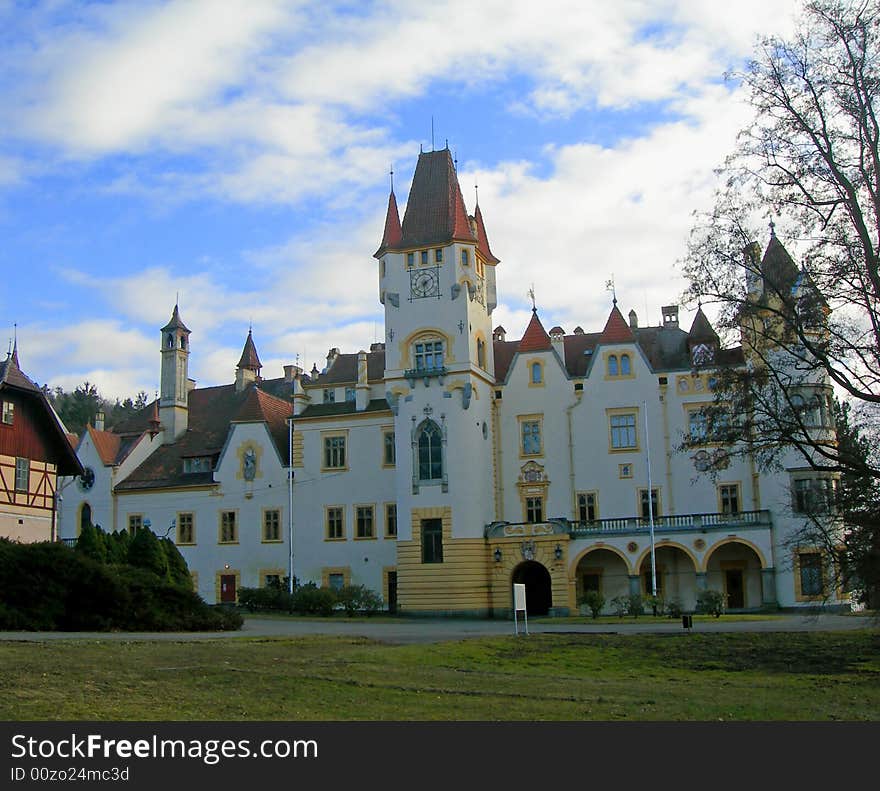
(519, 603)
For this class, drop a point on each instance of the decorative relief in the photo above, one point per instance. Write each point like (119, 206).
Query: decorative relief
(528, 550)
(632, 547)
(699, 544)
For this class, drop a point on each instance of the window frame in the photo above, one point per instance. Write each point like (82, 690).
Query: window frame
(386, 445)
(723, 496)
(267, 514)
(227, 519)
(22, 474)
(433, 449)
(360, 535)
(135, 523)
(391, 508)
(181, 516)
(614, 431)
(536, 421)
(582, 510)
(327, 451)
(801, 593)
(332, 525)
(533, 505)
(432, 550)
(642, 502)
(8, 416)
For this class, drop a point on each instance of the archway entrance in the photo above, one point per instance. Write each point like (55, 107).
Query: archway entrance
(536, 578)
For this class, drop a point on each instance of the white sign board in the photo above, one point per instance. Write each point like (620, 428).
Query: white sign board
(519, 596)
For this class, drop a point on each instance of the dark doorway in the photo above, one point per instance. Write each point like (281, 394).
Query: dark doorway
(733, 584)
(85, 516)
(227, 588)
(392, 591)
(539, 597)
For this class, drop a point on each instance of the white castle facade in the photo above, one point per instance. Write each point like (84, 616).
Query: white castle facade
(449, 462)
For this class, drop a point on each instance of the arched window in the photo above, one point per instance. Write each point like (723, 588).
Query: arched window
(537, 373)
(624, 365)
(798, 405)
(430, 452)
(612, 365)
(85, 516)
(481, 353)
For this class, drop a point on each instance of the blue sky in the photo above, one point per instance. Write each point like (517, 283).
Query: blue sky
(235, 155)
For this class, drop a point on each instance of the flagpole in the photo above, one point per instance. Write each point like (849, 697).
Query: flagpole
(290, 504)
(650, 504)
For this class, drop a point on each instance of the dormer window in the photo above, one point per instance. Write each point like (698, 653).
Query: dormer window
(197, 464)
(329, 396)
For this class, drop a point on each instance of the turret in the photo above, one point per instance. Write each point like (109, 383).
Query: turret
(173, 409)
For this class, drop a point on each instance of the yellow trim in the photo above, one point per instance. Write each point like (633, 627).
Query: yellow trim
(332, 434)
(606, 355)
(662, 545)
(799, 595)
(617, 412)
(200, 488)
(540, 364)
(720, 500)
(298, 449)
(326, 571)
(707, 555)
(263, 538)
(405, 345)
(341, 509)
(220, 526)
(386, 534)
(577, 511)
(599, 546)
(622, 469)
(191, 514)
(258, 452)
(129, 517)
(345, 416)
(263, 573)
(533, 418)
(479, 335)
(355, 536)
(659, 510)
(385, 431)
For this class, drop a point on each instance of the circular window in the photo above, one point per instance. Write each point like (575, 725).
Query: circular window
(632, 546)
(87, 479)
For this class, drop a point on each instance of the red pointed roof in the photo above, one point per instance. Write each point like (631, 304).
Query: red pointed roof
(249, 358)
(482, 238)
(106, 445)
(535, 338)
(435, 212)
(616, 329)
(392, 235)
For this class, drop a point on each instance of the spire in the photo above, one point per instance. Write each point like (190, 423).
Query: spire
(14, 356)
(482, 238)
(435, 211)
(616, 329)
(249, 358)
(175, 323)
(391, 237)
(778, 269)
(701, 330)
(535, 338)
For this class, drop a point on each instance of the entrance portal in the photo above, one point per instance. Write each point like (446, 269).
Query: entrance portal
(536, 578)
(733, 585)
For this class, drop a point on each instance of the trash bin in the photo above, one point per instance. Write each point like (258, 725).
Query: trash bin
(687, 621)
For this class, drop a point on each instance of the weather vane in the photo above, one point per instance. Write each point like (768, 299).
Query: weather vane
(609, 286)
(531, 293)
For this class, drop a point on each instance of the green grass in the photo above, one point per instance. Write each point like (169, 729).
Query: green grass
(731, 676)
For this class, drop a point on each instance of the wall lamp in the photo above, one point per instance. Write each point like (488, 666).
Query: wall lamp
(497, 554)
(557, 553)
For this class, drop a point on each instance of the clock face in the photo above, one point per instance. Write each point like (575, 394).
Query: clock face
(87, 479)
(424, 283)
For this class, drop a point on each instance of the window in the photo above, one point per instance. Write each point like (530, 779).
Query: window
(814, 495)
(624, 471)
(432, 541)
(272, 525)
(430, 452)
(587, 507)
(350, 395)
(228, 528)
(336, 581)
(625, 368)
(334, 452)
(810, 573)
(391, 520)
(423, 256)
(329, 396)
(197, 464)
(335, 524)
(186, 533)
(135, 523)
(389, 454)
(481, 353)
(465, 257)
(612, 365)
(654, 506)
(429, 355)
(271, 580)
(531, 437)
(698, 425)
(728, 494)
(537, 374)
(8, 412)
(534, 509)
(410, 260)
(22, 474)
(438, 255)
(364, 522)
(623, 431)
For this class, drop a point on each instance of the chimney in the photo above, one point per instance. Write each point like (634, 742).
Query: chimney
(99, 420)
(578, 330)
(557, 335)
(331, 357)
(362, 394)
(670, 316)
(633, 320)
(190, 385)
(292, 372)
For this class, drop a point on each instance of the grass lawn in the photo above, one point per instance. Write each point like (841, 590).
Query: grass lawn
(731, 676)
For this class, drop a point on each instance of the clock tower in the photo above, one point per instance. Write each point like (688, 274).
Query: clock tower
(437, 284)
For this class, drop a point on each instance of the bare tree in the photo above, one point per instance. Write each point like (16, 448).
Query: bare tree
(810, 331)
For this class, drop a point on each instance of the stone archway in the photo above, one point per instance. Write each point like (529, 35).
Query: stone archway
(539, 593)
(676, 573)
(733, 567)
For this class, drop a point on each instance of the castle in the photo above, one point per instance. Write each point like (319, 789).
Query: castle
(450, 461)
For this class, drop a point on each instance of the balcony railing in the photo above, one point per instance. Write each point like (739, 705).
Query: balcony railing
(412, 374)
(689, 522)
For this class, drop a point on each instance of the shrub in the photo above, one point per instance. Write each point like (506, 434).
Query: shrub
(710, 602)
(358, 599)
(146, 552)
(620, 605)
(271, 597)
(309, 599)
(595, 601)
(635, 605)
(673, 608)
(656, 604)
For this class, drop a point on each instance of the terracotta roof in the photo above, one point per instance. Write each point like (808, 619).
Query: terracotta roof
(249, 358)
(392, 235)
(106, 444)
(701, 330)
(175, 322)
(435, 212)
(616, 329)
(482, 238)
(535, 338)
